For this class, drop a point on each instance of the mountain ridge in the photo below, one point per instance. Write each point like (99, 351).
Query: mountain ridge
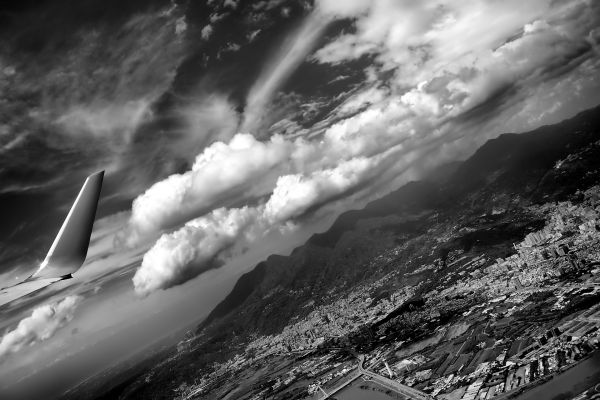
(522, 163)
(392, 248)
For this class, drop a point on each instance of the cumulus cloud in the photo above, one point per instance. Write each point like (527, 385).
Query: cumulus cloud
(425, 44)
(430, 97)
(41, 325)
(179, 256)
(221, 172)
(246, 168)
(206, 32)
(516, 56)
(202, 243)
(295, 194)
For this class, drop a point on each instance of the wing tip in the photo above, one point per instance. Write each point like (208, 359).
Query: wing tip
(99, 173)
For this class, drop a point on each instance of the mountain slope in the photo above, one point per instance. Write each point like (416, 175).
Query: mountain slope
(508, 172)
(410, 238)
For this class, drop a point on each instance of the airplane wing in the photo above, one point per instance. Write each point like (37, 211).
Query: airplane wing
(69, 249)
(12, 293)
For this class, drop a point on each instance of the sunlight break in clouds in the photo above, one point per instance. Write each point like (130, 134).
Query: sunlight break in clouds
(41, 325)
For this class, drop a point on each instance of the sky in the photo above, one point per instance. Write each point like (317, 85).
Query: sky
(230, 130)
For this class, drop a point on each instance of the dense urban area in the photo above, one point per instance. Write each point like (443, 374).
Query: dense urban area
(481, 282)
(490, 327)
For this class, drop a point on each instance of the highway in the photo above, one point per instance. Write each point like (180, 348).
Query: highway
(397, 387)
(407, 391)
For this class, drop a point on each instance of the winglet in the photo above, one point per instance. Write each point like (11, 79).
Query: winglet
(69, 249)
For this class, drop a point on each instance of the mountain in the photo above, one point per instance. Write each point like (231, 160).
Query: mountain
(507, 173)
(480, 208)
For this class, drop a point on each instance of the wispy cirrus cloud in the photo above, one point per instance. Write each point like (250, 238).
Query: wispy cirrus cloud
(278, 69)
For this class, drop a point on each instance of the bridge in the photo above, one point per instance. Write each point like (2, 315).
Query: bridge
(407, 391)
(330, 392)
(391, 384)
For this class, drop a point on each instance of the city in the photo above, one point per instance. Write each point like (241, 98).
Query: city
(516, 322)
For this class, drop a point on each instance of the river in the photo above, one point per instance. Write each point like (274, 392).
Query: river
(568, 384)
(369, 390)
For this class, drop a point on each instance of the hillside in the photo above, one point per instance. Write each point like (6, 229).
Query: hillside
(506, 173)
(411, 238)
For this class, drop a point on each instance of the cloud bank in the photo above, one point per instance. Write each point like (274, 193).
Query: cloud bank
(223, 171)
(202, 243)
(445, 78)
(41, 325)
(447, 57)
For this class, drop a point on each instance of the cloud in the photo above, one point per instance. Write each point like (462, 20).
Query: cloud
(108, 72)
(343, 9)
(296, 174)
(424, 44)
(222, 172)
(293, 52)
(117, 122)
(84, 95)
(179, 256)
(295, 194)
(41, 325)
(230, 3)
(430, 96)
(515, 54)
(202, 243)
(207, 118)
(206, 32)
(180, 26)
(246, 168)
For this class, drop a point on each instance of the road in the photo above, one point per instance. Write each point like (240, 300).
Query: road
(342, 385)
(407, 391)
(397, 387)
